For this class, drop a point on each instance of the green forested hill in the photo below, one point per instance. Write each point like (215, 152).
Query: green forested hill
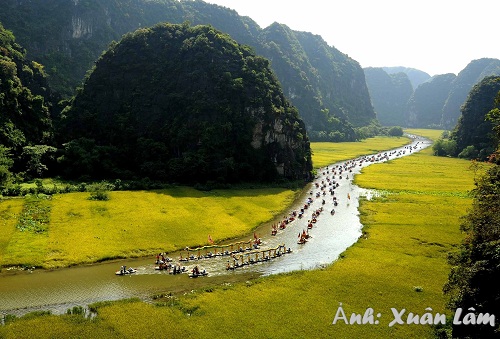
(25, 123)
(185, 104)
(474, 134)
(68, 36)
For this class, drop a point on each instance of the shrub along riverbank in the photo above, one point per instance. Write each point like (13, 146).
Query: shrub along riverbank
(399, 263)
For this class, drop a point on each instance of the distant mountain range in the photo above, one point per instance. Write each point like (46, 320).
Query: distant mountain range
(434, 102)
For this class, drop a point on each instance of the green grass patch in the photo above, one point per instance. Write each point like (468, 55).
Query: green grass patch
(326, 153)
(35, 215)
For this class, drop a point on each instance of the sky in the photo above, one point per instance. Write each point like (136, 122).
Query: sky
(434, 36)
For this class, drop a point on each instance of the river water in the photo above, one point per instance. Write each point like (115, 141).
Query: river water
(58, 290)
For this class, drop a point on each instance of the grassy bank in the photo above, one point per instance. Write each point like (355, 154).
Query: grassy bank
(400, 263)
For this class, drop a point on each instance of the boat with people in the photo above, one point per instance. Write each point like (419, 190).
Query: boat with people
(171, 268)
(196, 272)
(125, 271)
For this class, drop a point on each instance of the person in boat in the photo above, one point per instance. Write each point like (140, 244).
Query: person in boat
(196, 270)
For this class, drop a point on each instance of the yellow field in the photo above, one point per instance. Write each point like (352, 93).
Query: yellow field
(137, 223)
(432, 134)
(420, 172)
(326, 153)
(400, 263)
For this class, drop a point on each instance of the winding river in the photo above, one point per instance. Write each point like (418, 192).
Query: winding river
(58, 290)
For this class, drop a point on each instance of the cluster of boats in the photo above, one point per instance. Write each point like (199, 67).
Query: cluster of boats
(258, 256)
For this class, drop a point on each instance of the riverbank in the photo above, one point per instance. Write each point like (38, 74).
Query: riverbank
(133, 224)
(377, 272)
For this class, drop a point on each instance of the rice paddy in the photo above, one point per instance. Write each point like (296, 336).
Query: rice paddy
(327, 153)
(135, 223)
(400, 263)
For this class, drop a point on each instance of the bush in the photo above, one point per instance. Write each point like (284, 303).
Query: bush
(469, 152)
(395, 131)
(443, 147)
(99, 191)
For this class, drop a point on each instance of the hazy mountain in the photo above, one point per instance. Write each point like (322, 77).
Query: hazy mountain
(185, 104)
(435, 102)
(416, 76)
(472, 74)
(68, 36)
(426, 104)
(389, 95)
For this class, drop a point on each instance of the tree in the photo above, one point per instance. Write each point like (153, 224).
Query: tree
(396, 131)
(473, 281)
(6, 163)
(36, 159)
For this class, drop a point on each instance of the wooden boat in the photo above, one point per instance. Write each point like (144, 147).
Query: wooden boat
(125, 271)
(199, 274)
(195, 273)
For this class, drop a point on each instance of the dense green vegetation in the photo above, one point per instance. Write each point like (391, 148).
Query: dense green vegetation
(183, 104)
(326, 86)
(473, 137)
(25, 123)
(475, 267)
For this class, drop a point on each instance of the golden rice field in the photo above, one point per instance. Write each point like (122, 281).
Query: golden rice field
(399, 263)
(326, 153)
(135, 223)
(419, 173)
(432, 134)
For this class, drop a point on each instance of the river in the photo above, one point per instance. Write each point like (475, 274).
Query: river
(58, 290)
